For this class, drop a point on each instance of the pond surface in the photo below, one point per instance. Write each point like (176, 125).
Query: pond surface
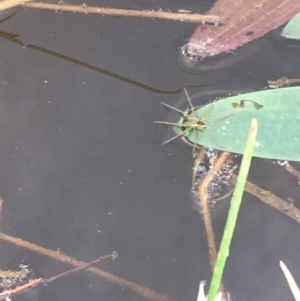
(83, 171)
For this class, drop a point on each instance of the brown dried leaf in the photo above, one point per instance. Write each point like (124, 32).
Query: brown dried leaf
(245, 20)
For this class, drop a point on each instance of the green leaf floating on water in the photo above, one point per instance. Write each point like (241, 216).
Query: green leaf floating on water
(228, 119)
(292, 29)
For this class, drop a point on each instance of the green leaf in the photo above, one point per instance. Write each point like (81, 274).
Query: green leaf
(227, 127)
(292, 29)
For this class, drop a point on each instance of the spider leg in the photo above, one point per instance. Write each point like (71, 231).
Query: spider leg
(211, 137)
(223, 116)
(183, 114)
(189, 100)
(194, 145)
(170, 123)
(177, 136)
(205, 114)
(197, 134)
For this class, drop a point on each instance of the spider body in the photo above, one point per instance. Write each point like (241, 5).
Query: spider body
(190, 122)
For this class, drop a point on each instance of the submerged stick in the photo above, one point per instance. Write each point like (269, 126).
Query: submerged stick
(203, 197)
(233, 213)
(293, 171)
(35, 282)
(113, 256)
(6, 295)
(202, 191)
(272, 200)
(126, 12)
(142, 290)
(6, 4)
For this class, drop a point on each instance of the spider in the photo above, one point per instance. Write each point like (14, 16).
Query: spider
(190, 122)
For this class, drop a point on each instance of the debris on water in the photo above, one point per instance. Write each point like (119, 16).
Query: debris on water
(9, 279)
(281, 162)
(220, 185)
(258, 144)
(288, 167)
(291, 201)
(202, 297)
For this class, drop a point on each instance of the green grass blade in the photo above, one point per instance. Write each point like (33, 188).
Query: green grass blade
(233, 213)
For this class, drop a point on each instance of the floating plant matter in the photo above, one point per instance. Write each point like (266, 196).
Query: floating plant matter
(245, 20)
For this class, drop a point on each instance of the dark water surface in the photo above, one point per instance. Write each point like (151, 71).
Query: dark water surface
(82, 168)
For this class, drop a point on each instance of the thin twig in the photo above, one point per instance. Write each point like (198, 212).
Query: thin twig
(271, 199)
(293, 171)
(113, 256)
(20, 289)
(6, 4)
(142, 290)
(203, 196)
(126, 12)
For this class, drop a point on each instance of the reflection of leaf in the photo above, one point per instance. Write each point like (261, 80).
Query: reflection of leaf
(292, 29)
(245, 20)
(279, 120)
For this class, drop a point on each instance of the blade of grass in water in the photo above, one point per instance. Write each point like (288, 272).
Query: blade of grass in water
(291, 281)
(233, 213)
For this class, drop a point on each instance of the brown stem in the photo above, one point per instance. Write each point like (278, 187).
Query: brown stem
(272, 200)
(20, 289)
(11, 3)
(202, 191)
(113, 256)
(142, 290)
(125, 12)
(293, 171)
(203, 196)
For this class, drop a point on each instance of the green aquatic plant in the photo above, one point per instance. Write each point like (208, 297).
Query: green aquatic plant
(291, 281)
(278, 113)
(292, 29)
(233, 213)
